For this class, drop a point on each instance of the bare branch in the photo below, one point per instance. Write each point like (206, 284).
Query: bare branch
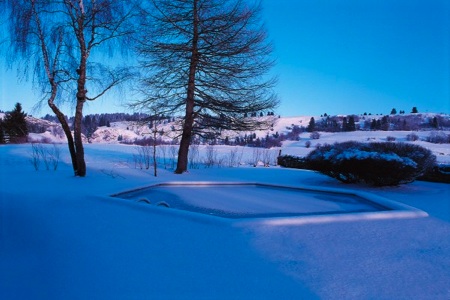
(208, 60)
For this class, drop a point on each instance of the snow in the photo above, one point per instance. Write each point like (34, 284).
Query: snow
(64, 237)
(226, 199)
(442, 151)
(361, 155)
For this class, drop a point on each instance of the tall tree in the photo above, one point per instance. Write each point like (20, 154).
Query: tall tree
(385, 124)
(15, 124)
(207, 60)
(435, 123)
(351, 123)
(60, 42)
(344, 124)
(2, 133)
(312, 125)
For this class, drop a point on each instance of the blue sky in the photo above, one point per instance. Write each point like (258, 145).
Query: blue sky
(361, 56)
(337, 57)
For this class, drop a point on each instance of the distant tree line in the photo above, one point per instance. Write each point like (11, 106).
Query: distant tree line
(402, 122)
(406, 123)
(106, 117)
(333, 124)
(91, 122)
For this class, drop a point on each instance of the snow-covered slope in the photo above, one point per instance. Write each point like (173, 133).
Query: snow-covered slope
(129, 131)
(63, 237)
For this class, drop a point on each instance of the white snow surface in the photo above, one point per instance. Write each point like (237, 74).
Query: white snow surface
(63, 237)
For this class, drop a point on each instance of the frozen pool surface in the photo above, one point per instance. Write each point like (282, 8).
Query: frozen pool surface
(252, 200)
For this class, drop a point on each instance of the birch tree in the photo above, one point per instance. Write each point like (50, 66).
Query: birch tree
(63, 46)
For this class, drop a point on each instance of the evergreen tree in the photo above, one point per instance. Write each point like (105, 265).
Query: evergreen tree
(373, 125)
(435, 123)
(393, 111)
(344, 124)
(312, 125)
(334, 126)
(102, 121)
(414, 110)
(2, 134)
(15, 124)
(385, 123)
(351, 124)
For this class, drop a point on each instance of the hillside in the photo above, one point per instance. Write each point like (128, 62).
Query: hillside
(282, 125)
(129, 131)
(288, 134)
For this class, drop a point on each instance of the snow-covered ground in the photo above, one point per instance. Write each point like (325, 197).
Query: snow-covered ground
(63, 237)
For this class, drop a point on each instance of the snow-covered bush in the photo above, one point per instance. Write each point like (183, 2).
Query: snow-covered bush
(390, 138)
(314, 135)
(373, 163)
(412, 137)
(438, 137)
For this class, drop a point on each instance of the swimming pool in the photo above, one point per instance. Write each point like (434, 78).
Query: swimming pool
(251, 200)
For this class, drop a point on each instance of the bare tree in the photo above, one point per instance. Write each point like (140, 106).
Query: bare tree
(208, 61)
(56, 39)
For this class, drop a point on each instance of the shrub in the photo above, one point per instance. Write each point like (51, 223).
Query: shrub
(308, 144)
(438, 137)
(290, 161)
(378, 164)
(49, 156)
(412, 137)
(437, 174)
(390, 138)
(315, 135)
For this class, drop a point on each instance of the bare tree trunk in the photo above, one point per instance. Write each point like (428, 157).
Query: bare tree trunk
(81, 163)
(185, 140)
(65, 126)
(81, 99)
(155, 165)
(189, 116)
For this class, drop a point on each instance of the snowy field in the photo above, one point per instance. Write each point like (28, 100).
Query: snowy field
(64, 237)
